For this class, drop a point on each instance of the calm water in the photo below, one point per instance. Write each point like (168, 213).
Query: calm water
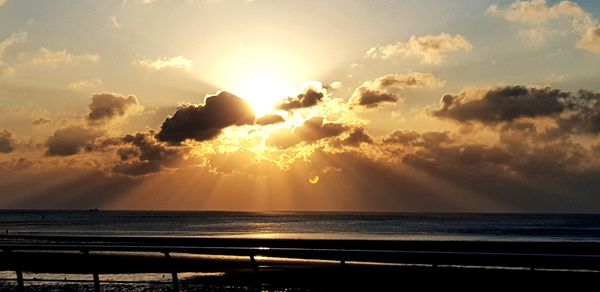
(307, 225)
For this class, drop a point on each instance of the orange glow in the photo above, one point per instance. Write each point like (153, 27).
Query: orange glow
(263, 90)
(263, 75)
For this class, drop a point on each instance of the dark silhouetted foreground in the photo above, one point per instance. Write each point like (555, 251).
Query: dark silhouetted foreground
(284, 264)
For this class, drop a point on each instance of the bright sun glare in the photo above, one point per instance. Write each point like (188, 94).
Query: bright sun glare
(263, 91)
(263, 75)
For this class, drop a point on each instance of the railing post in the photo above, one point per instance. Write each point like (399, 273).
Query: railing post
(254, 264)
(95, 275)
(20, 284)
(96, 282)
(173, 275)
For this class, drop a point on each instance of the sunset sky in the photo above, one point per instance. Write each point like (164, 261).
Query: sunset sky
(416, 105)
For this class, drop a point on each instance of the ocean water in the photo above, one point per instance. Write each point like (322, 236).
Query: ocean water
(321, 225)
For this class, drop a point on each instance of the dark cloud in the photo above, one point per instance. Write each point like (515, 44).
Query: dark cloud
(573, 113)
(404, 137)
(127, 153)
(386, 88)
(316, 128)
(355, 138)
(503, 104)
(41, 121)
(371, 98)
(522, 134)
(6, 142)
(149, 148)
(106, 106)
(142, 154)
(310, 97)
(585, 116)
(205, 122)
(269, 120)
(70, 141)
(312, 130)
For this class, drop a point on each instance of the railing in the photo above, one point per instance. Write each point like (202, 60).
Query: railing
(103, 255)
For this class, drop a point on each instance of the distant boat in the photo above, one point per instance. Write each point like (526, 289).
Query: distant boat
(93, 210)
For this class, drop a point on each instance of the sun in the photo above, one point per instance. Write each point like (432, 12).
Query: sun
(263, 91)
(261, 74)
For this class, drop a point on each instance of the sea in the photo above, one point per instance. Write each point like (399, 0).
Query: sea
(306, 225)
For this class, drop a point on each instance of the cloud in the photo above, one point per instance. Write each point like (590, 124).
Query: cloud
(430, 49)
(70, 141)
(310, 97)
(356, 137)
(311, 130)
(85, 84)
(402, 137)
(536, 11)
(405, 81)
(518, 161)
(316, 128)
(371, 98)
(269, 120)
(114, 23)
(335, 85)
(541, 20)
(7, 143)
(502, 104)
(106, 106)
(178, 62)
(591, 40)
(41, 121)
(405, 171)
(46, 57)
(12, 40)
(584, 115)
(386, 88)
(577, 113)
(520, 172)
(142, 154)
(204, 122)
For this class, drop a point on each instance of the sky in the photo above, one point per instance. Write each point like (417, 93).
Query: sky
(336, 105)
